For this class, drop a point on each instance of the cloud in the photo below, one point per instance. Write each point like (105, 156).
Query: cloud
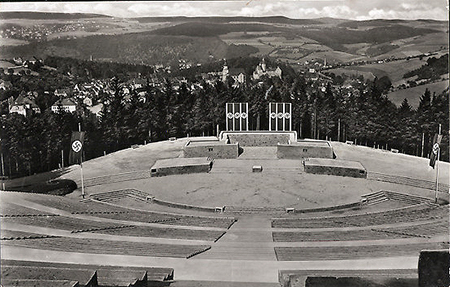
(430, 13)
(346, 9)
(341, 11)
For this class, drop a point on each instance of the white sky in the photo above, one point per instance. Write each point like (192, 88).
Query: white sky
(297, 9)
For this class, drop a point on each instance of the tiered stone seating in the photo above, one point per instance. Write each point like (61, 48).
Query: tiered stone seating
(147, 231)
(62, 222)
(13, 210)
(407, 198)
(29, 273)
(422, 230)
(385, 277)
(335, 236)
(407, 181)
(41, 273)
(409, 214)
(111, 196)
(374, 198)
(99, 246)
(76, 206)
(39, 283)
(19, 235)
(204, 221)
(352, 252)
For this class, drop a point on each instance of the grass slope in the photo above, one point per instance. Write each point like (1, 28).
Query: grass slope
(413, 94)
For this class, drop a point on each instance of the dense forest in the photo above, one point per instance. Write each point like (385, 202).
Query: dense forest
(365, 115)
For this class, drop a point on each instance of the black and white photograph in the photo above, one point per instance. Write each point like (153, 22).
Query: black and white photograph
(232, 143)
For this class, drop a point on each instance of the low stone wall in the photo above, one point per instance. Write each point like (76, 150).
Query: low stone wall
(259, 138)
(183, 206)
(305, 149)
(335, 167)
(211, 149)
(181, 166)
(164, 171)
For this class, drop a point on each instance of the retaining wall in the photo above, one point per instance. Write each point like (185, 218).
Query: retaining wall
(259, 138)
(305, 149)
(335, 167)
(181, 166)
(211, 149)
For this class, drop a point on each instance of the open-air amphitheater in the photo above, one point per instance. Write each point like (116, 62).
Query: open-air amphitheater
(240, 209)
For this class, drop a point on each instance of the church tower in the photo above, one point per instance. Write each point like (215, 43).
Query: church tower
(225, 71)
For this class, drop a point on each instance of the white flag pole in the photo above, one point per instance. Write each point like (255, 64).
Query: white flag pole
(437, 169)
(437, 176)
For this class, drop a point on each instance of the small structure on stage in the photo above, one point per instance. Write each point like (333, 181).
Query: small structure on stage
(305, 149)
(173, 166)
(335, 167)
(213, 149)
(259, 138)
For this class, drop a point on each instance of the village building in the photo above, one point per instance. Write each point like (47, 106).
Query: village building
(64, 105)
(238, 75)
(5, 85)
(262, 70)
(24, 105)
(63, 93)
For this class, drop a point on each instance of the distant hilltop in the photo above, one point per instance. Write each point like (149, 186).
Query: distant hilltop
(47, 15)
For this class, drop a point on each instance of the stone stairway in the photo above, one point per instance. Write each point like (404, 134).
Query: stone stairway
(381, 196)
(250, 238)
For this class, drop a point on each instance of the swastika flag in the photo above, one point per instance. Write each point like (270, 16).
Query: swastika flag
(435, 150)
(76, 148)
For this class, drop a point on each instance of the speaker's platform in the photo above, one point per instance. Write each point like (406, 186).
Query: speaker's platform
(335, 167)
(181, 166)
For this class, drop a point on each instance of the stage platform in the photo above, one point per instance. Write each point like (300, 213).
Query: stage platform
(305, 149)
(335, 167)
(181, 166)
(213, 149)
(259, 138)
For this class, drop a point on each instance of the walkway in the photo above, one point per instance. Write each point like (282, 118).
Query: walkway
(250, 238)
(210, 269)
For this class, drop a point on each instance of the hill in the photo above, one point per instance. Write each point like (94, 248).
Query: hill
(291, 40)
(273, 19)
(434, 68)
(413, 94)
(47, 15)
(134, 48)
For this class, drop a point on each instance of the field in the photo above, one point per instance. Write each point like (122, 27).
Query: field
(162, 40)
(394, 70)
(11, 42)
(413, 94)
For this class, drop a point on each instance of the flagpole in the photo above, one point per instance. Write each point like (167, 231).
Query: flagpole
(81, 166)
(437, 176)
(437, 170)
